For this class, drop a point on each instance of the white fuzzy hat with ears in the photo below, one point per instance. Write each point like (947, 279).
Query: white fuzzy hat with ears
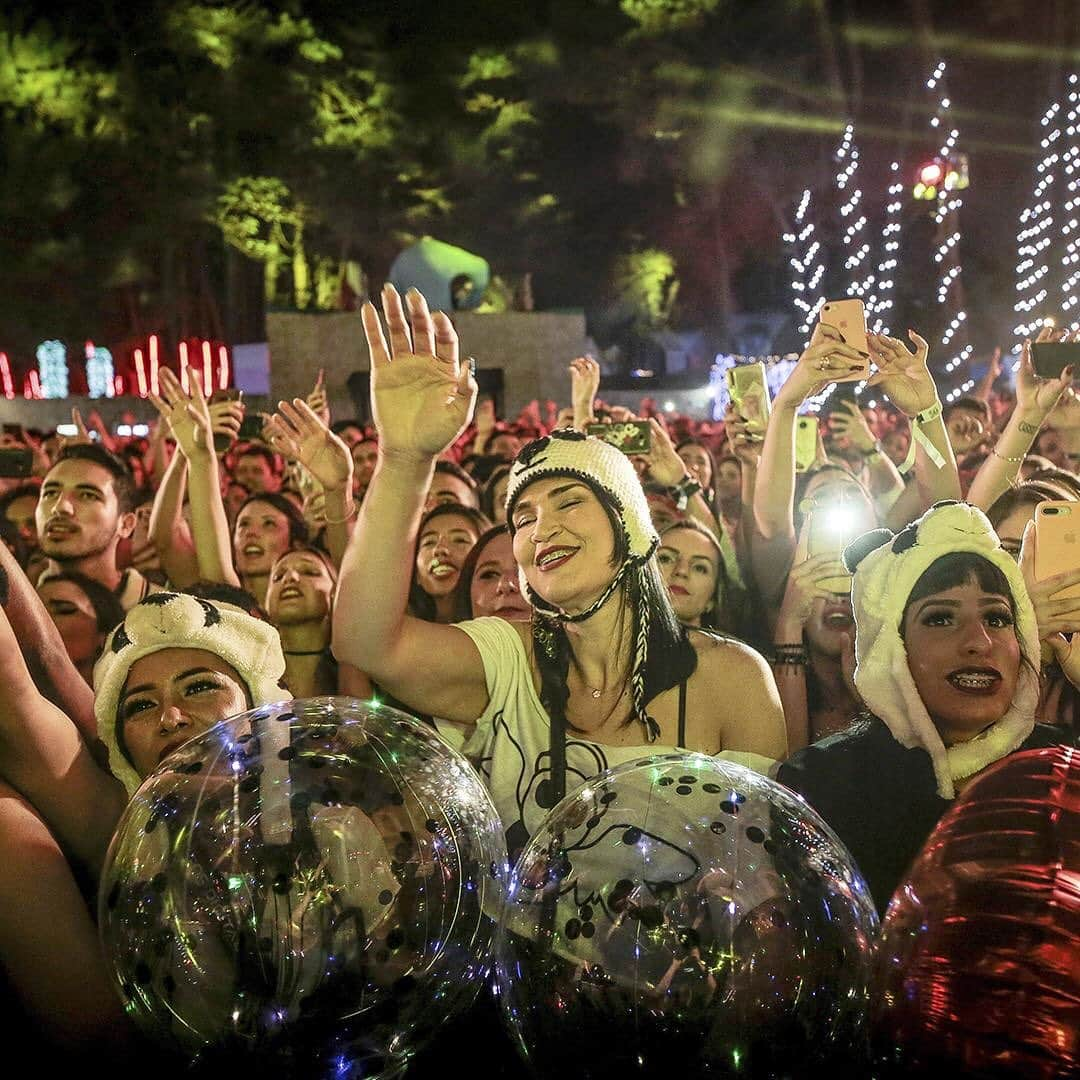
(883, 580)
(168, 620)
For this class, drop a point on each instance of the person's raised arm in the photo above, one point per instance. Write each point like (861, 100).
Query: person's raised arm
(168, 530)
(825, 359)
(46, 757)
(422, 396)
(667, 468)
(1035, 400)
(299, 432)
(883, 479)
(47, 660)
(192, 426)
(904, 377)
(584, 385)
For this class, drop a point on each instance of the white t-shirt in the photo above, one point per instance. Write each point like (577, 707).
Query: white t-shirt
(511, 745)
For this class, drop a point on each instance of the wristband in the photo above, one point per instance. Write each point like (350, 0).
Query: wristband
(789, 656)
(919, 438)
(348, 517)
(684, 491)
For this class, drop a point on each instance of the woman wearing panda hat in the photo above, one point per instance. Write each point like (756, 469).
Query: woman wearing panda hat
(173, 668)
(947, 665)
(604, 673)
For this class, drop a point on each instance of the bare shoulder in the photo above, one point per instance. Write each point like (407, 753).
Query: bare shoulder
(723, 657)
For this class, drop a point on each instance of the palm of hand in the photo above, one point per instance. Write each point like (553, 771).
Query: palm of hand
(326, 457)
(190, 433)
(417, 406)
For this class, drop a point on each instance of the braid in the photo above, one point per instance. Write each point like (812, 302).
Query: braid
(642, 619)
(552, 648)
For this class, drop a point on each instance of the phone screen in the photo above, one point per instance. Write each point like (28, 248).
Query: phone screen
(629, 436)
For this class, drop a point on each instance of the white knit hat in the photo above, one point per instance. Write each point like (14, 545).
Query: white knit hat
(882, 583)
(599, 465)
(168, 620)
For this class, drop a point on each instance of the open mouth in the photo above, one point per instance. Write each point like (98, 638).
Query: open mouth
(550, 558)
(253, 550)
(678, 590)
(58, 530)
(977, 681)
(290, 592)
(439, 569)
(838, 617)
(169, 747)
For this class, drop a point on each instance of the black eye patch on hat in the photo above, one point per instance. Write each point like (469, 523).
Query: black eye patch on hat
(861, 546)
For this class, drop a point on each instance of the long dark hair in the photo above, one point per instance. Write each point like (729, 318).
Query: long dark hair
(422, 606)
(669, 656)
(711, 618)
(463, 608)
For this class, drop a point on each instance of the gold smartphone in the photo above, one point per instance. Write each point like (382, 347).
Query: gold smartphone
(749, 392)
(806, 440)
(1057, 542)
(849, 318)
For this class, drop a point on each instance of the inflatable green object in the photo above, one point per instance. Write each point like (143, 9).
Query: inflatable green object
(431, 266)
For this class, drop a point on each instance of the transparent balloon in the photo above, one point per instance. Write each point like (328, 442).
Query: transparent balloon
(315, 883)
(979, 961)
(685, 916)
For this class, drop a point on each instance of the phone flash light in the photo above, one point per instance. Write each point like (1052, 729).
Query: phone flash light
(66, 429)
(840, 519)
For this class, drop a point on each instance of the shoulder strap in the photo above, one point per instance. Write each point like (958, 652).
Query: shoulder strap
(682, 714)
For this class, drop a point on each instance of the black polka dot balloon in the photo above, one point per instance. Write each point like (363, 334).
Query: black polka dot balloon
(315, 883)
(684, 916)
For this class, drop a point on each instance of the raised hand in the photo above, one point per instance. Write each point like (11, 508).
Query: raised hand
(422, 394)
(584, 383)
(850, 423)
(1033, 393)
(826, 359)
(903, 375)
(317, 398)
(1055, 615)
(745, 443)
(187, 416)
(225, 420)
(665, 466)
(807, 582)
(298, 432)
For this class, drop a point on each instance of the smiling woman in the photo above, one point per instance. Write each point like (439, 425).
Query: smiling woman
(604, 673)
(948, 654)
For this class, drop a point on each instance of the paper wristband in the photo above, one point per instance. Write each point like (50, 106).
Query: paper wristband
(920, 438)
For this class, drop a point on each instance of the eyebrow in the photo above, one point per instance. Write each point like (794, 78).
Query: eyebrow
(176, 678)
(553, 494)
(986, 602)
(78, 487)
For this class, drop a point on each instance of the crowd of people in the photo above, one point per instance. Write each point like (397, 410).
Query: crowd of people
(869, 628)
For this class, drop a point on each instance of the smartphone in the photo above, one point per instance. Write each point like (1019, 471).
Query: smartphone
(16, 462)
(849, 317)
(629, 436)
(806, 435)
(223, 442)
(228, 394)
(251, 428)
(749, 391)
(1057, 542)
(1051, 358)
(831, 527)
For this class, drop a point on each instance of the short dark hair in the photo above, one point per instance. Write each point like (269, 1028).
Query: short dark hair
(487, 492)
(420, 604)
(108, 610)
(958, 568)
(220, 592)
(448, 468)
(298, 528)
(272, 458)
(968, 404)
(463, 598)
(123, 480)
(23, 491)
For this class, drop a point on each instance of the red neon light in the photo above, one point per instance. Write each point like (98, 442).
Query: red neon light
(5, 374)
(118, 382)
(89, 350)
(154, 363)
(931, 174)
(35, 385)
(184, 366)
(140, 371)
(223, 367)
(207, 380)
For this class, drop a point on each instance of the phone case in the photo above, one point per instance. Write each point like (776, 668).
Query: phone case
(849, 317)
(824, 540)
(806, 429)
(1057, 542)
(749, 392)
(630, 436)
(1051, 358)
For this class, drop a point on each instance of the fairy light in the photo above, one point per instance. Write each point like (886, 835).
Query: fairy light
(99, 371)
(154, 363)
(1035, 237)
(807, 273)
(879, 301)
(207, 381)
(140, 372)
(856, 249)
(51, 378)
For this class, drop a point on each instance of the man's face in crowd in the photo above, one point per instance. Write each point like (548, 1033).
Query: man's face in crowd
(256, 474)
(447, 488)
(365, 454)
(21, 513)
(78, 515)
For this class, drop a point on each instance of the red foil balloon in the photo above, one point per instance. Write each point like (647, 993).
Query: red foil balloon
(979, 961)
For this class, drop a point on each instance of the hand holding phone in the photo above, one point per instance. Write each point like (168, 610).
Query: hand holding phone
(848, 318)
(1057, 552)
(629, 436)
(748, 389)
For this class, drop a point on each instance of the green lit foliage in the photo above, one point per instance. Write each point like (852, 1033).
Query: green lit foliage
(355, 111)
(43, 78)
(646, 281)
(659, 16)
(258, 216)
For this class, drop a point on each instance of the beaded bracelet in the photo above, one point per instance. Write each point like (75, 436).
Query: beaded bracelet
(1010, 460)
(789, 655)
(341, 521)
